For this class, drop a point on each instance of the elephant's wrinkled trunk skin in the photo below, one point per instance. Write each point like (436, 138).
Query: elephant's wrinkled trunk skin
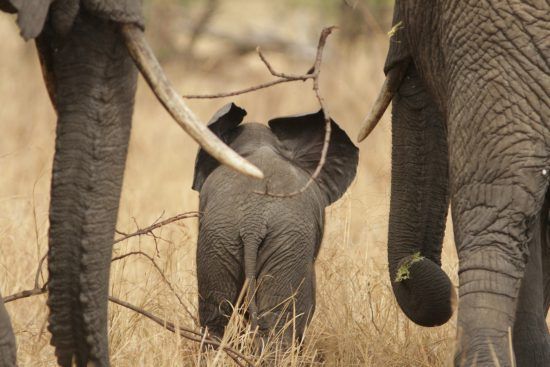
(419, 202)
(95, 82)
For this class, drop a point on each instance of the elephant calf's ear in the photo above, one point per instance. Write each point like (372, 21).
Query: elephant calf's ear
(303, 137)
(227, 118)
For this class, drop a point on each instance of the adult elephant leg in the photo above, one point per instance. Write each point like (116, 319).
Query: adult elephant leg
(94, 82)
(531, 339)
(498, 113)
(7, 339)
(498, 167)
(493, 229)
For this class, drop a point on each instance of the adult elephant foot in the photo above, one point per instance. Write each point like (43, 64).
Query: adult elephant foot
(486, 349)
(529, 343)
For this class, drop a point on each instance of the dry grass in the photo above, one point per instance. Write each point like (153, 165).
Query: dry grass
(357, 322)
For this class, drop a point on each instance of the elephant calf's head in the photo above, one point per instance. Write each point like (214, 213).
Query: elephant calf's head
(299, 139)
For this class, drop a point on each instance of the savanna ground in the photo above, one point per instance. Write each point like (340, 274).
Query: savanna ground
(357, 322)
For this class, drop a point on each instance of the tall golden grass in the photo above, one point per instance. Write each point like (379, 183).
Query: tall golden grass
(357, 322)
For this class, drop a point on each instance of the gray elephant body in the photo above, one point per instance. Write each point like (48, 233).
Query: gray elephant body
(283, 233)
(470, 127)
(246, 232)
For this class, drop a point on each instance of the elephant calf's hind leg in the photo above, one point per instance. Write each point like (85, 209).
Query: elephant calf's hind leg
(220, 280)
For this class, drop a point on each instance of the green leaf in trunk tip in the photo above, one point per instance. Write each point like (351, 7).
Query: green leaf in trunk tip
(403, 273)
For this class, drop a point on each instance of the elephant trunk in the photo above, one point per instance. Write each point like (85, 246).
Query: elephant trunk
(94, 86)
(419, 202)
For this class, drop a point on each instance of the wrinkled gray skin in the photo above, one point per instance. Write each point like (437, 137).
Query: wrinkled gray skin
(91, 80)
(7, 339)
(471, 126)
(271, 241)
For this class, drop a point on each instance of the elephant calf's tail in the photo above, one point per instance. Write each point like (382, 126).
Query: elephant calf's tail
(250, 256)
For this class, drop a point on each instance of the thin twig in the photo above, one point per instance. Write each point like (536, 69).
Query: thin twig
(369, 294)
(161, 273)
(242, 91)
(282, 78)
(272, 71)
(39, 270)
(151, 228)
(25, 294)
(204, 334)
(156, 224)
(315, 72)
(141, 231)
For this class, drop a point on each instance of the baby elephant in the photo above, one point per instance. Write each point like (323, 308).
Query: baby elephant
(249, 230)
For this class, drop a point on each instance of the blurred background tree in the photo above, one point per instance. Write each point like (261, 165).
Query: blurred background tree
(176, 26)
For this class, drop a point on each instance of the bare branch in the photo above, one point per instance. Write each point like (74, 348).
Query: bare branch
(241, 91)
(39, 270)
(282, 78)
(278, 74)
(312, 74)
(143, 231)
(161, 273)
(25, 294)
(151, 228)
(315, 72)
(183, 332)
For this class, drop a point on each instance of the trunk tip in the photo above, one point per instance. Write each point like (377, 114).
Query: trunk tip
(423, 291)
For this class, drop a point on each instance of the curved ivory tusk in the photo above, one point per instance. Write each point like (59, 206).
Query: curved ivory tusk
(392, 82)
(153, 74)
